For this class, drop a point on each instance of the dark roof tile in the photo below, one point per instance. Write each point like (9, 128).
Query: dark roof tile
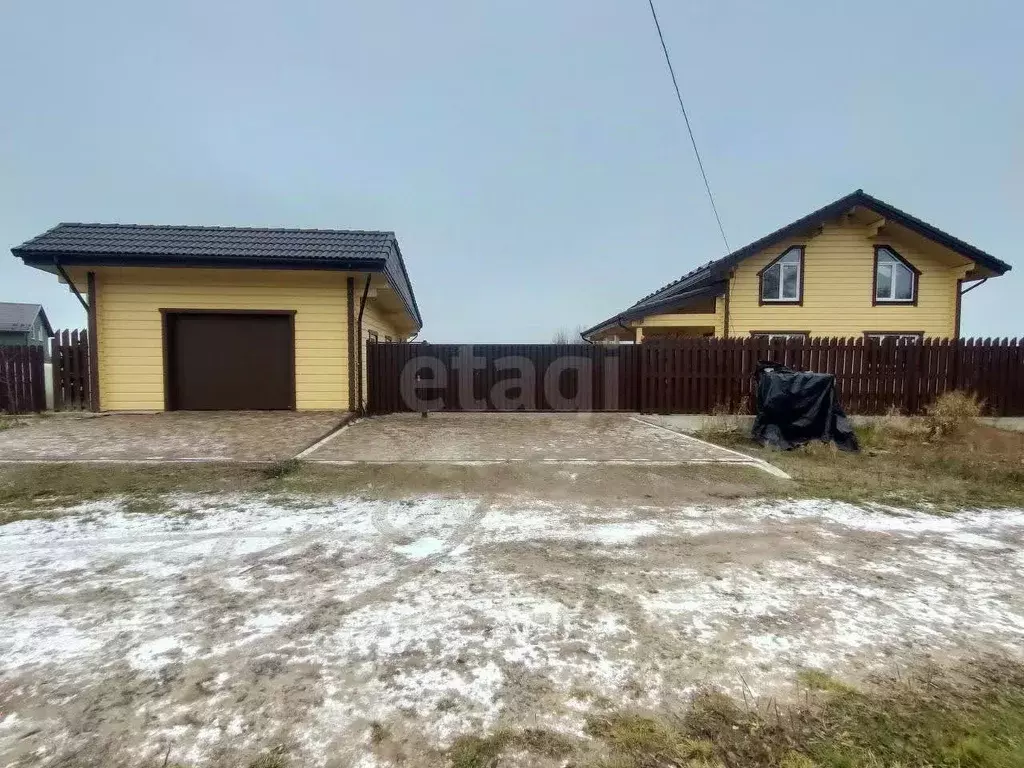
(152, 245)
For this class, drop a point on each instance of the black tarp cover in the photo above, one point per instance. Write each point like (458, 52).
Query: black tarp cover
(795, 407)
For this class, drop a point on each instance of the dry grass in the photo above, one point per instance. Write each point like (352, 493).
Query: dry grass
(483, 751)
(944, 459)
(971, 716)
(36, 490)
(952, 414)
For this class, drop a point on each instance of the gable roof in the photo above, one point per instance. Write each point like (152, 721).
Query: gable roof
(19, 318)
(710, 279)
(147, 245)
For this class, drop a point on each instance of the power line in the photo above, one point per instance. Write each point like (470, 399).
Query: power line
(679, 96)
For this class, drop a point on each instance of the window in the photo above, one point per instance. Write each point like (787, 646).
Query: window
(782, 281)
(907, 337)
(784, 335)
(895, 278)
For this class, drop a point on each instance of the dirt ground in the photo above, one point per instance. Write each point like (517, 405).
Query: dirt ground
(535, 437)
(233, 623)
(180, 436)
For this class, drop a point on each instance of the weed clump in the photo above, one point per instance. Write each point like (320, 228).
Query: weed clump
(952, 414)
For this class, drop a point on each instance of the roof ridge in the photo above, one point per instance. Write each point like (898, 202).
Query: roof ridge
(216, 228)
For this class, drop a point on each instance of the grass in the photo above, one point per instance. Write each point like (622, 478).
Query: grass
(902, 461)
(971, 716)
(483, 751)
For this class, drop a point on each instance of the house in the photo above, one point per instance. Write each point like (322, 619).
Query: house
(217, 318)
(857, 267)
(24, 324)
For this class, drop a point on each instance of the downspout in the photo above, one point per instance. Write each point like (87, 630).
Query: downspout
(725, 320)
(960, 291)
(976, 285)
(618, 321)
(359, 337)
(71, 285)
(91, 321)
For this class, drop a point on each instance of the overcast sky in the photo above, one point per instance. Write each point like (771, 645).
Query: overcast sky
(530, 155)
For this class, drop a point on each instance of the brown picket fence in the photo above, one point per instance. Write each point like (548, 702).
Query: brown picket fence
(70, 357)
(22, 380)
(705, 375)
(699, 375)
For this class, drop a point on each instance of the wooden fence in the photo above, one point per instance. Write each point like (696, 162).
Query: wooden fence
(500, 377)
(22, 380)
(70, 358)
(689, 375)
(701, 375)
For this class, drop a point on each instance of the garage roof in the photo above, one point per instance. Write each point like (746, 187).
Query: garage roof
(148, 245)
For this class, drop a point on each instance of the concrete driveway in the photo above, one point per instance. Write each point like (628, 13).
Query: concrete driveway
(175, 436)
(513, 437)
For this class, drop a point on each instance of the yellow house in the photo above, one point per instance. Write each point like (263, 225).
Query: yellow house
(857, 267)
(212, 318)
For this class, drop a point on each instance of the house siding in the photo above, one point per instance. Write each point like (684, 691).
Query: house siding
(130, 329)
(13, 338)
(685, 323)
(838, 287)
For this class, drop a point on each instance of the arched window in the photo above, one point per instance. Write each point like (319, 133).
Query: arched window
(895, 278)
(782, 280)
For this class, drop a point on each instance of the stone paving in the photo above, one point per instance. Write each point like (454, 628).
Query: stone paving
(172, 436)
(554, 437)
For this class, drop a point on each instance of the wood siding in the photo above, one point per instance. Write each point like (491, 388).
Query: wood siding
(130, 333)
(837, 288)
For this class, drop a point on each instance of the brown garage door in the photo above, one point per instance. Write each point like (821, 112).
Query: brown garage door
(230, 361)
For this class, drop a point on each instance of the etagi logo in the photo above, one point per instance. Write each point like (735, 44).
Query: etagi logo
(431, 383)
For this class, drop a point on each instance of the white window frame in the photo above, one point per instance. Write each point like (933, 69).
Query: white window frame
(777, 263)
(785, 336)
(894, 261)
(906, 336)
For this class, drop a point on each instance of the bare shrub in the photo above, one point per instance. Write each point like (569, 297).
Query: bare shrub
(894, 425)
(952, 413)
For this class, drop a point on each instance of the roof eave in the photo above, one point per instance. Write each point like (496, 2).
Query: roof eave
(40, 259)
(923, 228)
(651, 308)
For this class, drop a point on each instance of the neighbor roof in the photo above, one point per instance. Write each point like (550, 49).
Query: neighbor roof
(148, 245)
(20, 318)
(710, 279)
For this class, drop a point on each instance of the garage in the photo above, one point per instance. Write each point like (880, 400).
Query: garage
(229, 361)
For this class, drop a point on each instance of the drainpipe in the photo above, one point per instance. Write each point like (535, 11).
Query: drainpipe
(618, 321)
(71, 285)
(725, 320)
(960, 291)
(976, 285)
(359, 337)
